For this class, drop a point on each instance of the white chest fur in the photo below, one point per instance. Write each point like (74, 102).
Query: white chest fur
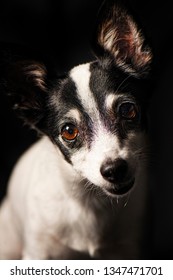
(48, 209)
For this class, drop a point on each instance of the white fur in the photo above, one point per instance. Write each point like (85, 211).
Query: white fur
(52, 208)
(41, 201)
(105, 146)
(110, 99)
(74, 114)
(44, 217)
(49, 212)
(81, 76)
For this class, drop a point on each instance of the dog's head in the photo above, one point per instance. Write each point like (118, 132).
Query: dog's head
(96, 114)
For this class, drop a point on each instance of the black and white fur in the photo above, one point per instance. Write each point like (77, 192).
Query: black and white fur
(88, 194)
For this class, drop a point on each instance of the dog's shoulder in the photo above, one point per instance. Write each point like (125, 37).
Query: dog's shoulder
(34, 168)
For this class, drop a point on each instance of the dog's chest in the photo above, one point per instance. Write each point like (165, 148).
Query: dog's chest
(81, 229)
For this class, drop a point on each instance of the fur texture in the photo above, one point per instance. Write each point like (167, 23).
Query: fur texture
(81, 188)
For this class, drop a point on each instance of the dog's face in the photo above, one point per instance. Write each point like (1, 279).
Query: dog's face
(96, 114)
(98, 124)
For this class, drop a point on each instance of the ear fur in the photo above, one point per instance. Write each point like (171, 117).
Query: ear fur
(118, 37)
(25, 80)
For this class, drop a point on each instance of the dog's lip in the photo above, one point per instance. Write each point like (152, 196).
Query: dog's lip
(122, 188)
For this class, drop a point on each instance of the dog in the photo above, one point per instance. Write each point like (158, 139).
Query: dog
(81, 189)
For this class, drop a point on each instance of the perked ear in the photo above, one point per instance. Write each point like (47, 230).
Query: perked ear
(119, 37)
(24, 80)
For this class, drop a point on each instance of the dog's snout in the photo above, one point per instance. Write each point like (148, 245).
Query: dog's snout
(114, 171)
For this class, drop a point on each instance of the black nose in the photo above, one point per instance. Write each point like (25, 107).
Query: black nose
(114, 171)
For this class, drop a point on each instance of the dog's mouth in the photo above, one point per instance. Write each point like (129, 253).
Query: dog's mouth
(121, 189)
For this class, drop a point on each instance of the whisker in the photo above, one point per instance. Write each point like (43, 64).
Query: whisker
(126, 202)
(122, 83)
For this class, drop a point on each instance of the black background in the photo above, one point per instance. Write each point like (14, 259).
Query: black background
(63, 29)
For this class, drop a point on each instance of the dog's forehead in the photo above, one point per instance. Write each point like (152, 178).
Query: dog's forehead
(93, 88)
(80, 75)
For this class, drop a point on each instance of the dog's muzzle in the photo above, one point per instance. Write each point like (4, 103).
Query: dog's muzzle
(122, 188)
(117, 173)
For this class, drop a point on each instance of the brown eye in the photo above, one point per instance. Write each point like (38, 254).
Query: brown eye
(69, 132)
(128, 111)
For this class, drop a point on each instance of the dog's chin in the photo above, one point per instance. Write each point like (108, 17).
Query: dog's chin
(121, 189)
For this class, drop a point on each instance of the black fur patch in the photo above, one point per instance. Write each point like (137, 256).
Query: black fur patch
(62, 99)
(107, 79)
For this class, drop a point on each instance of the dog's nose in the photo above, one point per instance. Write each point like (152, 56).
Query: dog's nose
(114, 171)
